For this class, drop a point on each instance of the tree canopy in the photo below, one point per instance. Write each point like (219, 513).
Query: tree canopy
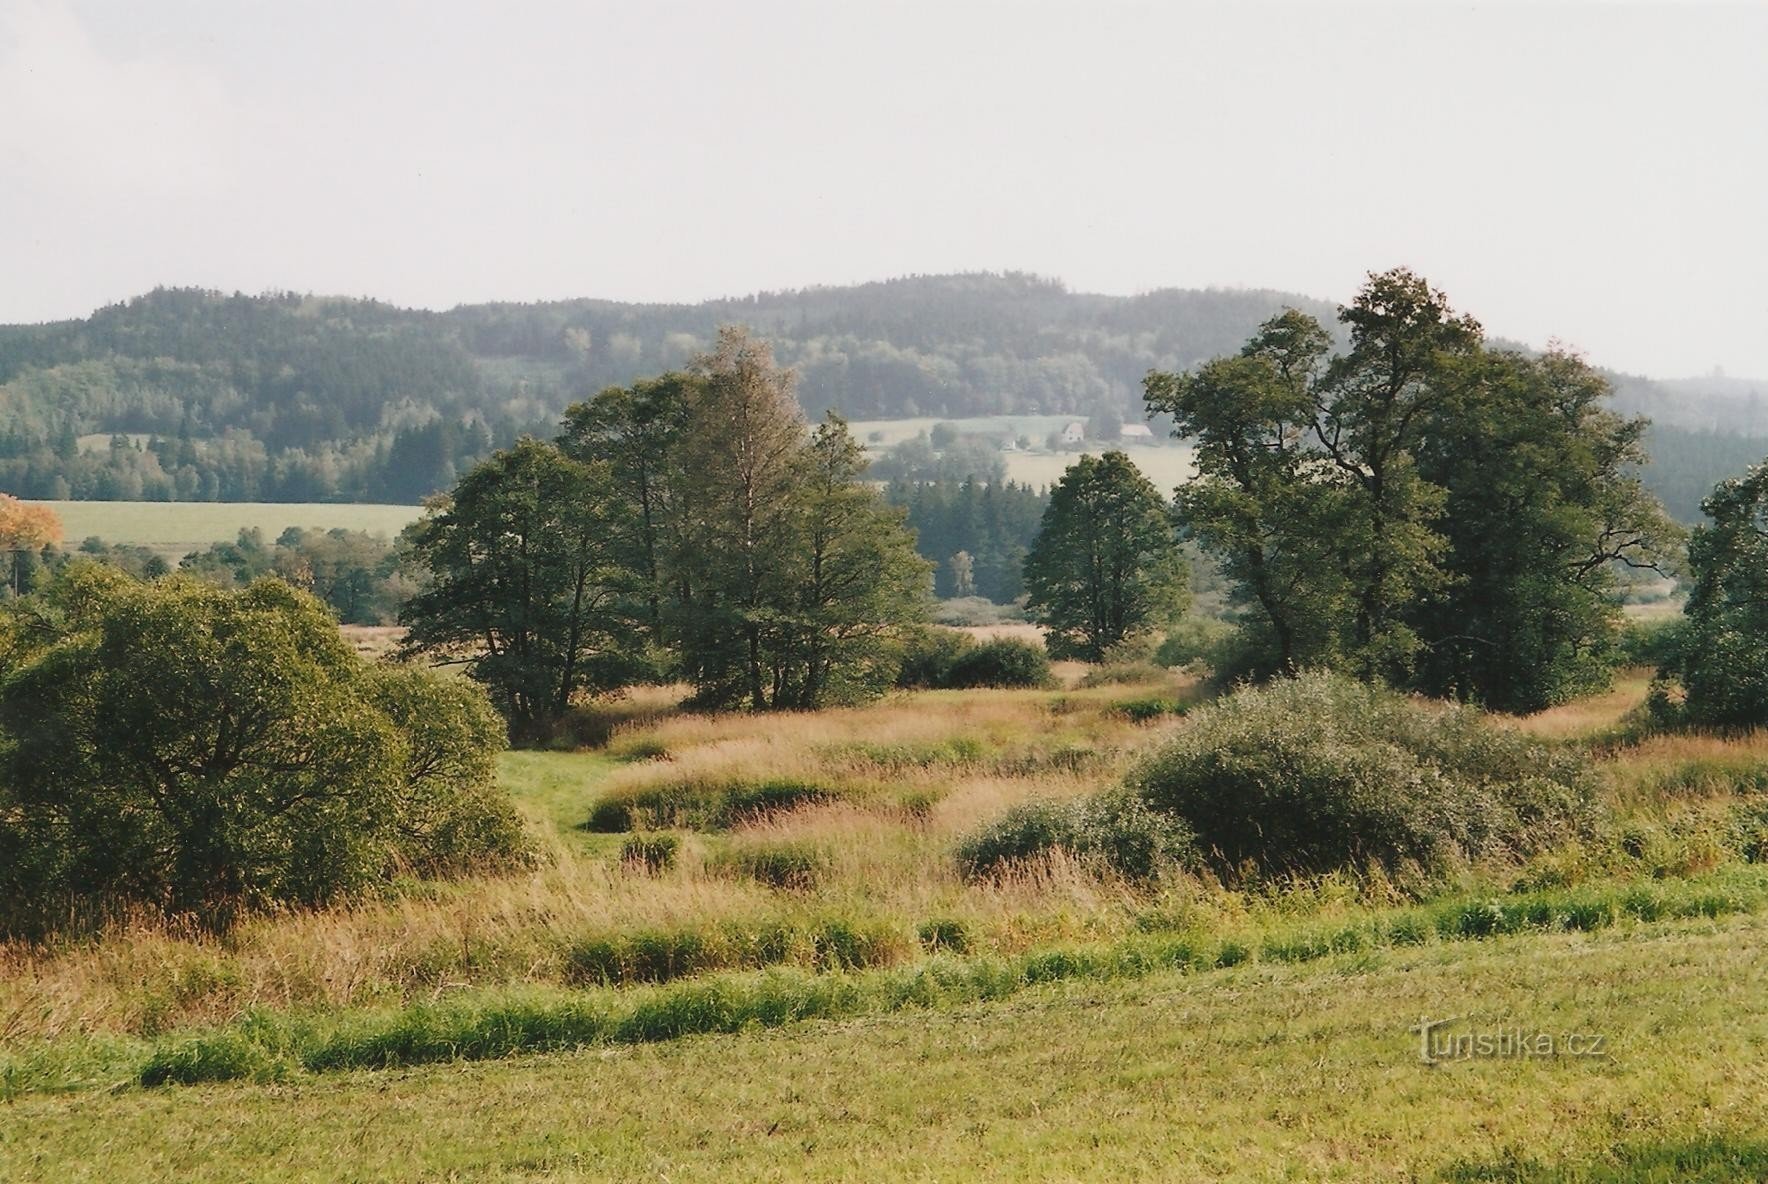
(1106, 563)
(1419, 508)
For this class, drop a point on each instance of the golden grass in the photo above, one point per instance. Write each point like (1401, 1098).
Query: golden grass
(916, 773)
(1590, 716)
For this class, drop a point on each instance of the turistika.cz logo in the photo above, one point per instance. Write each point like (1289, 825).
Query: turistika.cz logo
(1436, 1043)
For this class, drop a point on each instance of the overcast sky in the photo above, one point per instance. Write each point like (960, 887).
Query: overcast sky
(1593, 174)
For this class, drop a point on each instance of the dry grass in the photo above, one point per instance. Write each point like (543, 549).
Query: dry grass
(887, 850)
(912, 775)
(1598, 713)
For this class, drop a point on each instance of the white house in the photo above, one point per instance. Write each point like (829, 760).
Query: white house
(1138, 432)
(1074, 433)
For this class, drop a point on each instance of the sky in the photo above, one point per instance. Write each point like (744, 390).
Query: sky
(1591, 175)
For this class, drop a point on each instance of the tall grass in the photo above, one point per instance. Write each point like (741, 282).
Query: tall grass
(488, 1025)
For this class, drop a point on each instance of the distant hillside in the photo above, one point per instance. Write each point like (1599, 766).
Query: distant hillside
(300, 398)
(201, 396)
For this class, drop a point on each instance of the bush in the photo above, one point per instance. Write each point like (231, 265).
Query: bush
(1000, 663)
(1201, 640)
(1113, 830)
(792, 865)
(205, 752)
(928, 652)
(701, 802)
(1147, 709)
(945, 934)
(1655, 643)
(1318, 772)
(650, 853)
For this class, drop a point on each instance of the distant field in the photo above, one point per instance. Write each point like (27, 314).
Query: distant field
(1166, 465)
(176, 528)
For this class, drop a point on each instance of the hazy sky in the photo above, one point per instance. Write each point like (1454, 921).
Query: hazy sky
(1595, 174)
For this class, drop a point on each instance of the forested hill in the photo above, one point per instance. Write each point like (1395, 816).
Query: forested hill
(189, 394)
(300, 398)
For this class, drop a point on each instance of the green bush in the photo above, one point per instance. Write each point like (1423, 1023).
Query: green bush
(1655, 643)
(945, 934)
(1000, 663)
(650, 853)
(1147, 709)
(793, 865)
(204, 752)
(1114, 830)
(1318, 772)
(704, 803)
(928, 652)
(1200, 640)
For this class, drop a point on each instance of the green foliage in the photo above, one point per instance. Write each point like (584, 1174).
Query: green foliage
(1654, 642)
(1199, 640)
(521, 580)
(1417, 509)
(650, 853)
(758, 565)
(927, 655)
(993, 523)
(703, 802)
(1721, 656)
(1317, 772)
(999, 663)
(791, 864)
(206, 752)
(355, 573)
(1114, 830)
(1106, 564)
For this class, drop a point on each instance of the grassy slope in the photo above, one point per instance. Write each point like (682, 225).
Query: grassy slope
(1265, 1072)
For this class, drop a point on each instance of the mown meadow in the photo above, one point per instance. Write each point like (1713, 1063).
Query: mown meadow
(747, 946)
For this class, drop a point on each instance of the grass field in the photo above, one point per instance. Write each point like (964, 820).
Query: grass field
(1167, 465)
(810, 989)
(174, 529)
(1256, 1073)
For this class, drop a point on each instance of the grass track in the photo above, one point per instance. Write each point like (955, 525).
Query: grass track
(1261, 1072)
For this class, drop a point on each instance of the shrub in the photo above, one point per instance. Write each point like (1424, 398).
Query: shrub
(1200, 640)
(945, 934)
(793, 865)
(1318, 772)
(209, 752)
(928, 652)
(1114, 830)
(1131, 672)
(701, 802)
(650, 853)
(1147, 709)
(1000, 663)
(1655, 643)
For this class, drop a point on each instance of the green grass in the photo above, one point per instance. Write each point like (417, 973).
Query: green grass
(176, 528)
(556, 789)
(1263, 1071)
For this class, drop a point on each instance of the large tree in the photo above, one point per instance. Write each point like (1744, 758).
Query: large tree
(1106, 564)
(1721, 660)
(524, 584)
(1416, 509)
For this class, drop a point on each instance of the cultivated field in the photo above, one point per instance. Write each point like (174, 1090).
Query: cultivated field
(803, 985)
(1166, 464)
(174, 529)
